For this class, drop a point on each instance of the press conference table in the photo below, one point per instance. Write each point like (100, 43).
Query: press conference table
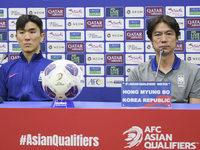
(97, 125)
(87, 105)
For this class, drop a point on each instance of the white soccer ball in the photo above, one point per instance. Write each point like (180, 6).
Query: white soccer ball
(62, 80)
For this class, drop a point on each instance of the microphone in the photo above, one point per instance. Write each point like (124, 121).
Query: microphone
(161, 52)
(4, 57)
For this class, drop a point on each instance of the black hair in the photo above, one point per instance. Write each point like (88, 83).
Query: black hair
(24, 19)
(171, 21)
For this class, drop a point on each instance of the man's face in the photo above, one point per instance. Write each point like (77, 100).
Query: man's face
(29, 38)
(164, 37)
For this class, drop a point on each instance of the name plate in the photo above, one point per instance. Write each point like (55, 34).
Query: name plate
(146, 95)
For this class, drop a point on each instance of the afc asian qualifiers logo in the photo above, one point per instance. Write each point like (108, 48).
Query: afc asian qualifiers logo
(135, 136)
(152, 137)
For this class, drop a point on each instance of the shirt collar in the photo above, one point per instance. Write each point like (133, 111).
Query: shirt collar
(34, 57)
(174, 66)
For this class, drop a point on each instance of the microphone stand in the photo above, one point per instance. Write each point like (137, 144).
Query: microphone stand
(161, 52)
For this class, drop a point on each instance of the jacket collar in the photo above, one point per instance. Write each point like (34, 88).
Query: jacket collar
(35, 56)
(174, 66)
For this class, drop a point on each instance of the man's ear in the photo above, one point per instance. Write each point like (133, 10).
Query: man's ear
(42, 35)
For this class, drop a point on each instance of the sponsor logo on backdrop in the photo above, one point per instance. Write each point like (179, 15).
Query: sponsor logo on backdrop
(114, 35)
(134, 58)
(55, 12)
(94, 35)
(114, 12)
(152, 137)
(95, 12)
(134, 11)
(134, 23)
(95, 81)
(3, 36)
(55, 24)
(181, 22)
(154, 11)
(129, 68)
(114, 70)
(56, 46)
(181, 36)
(77, 12)
(94, 23)
(135, 35)
(40, 12)
(114, 47)
(3, 12)
(12, 24)
(114, 58)
(193, 58)
(149, 56)
(114, 81)
(76, 58)
(12, 36)
(55, 35)
(193, 11)
(75, 35)
(75, 23)
(94, 46)
(43, 47)
(149, 47)
(175, 11)
(179, 47)
(134, 47)
(13, 56)
(192, 46)
(3, 47)
(94, 58)
(14, 47)
(55, 57)
(193, 23)
(16, 12)
(75, 47)
(95, 70)
(193, 35)
(3, 24)
(114, 24)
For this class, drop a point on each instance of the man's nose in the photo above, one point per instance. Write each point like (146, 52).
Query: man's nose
(163, 38)
(27, 36)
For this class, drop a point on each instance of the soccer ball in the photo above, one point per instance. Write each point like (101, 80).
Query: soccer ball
(62, 80)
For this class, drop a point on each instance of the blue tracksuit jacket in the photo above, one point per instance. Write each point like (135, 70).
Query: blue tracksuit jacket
(20, 80)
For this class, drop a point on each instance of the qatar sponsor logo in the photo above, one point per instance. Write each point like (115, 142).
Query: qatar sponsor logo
(75, 47)
(154, 11)
(114, 58)
(180, 47)
(193, 23)
(94, 23)
(3, 24)
(55, 12)
(135, 35)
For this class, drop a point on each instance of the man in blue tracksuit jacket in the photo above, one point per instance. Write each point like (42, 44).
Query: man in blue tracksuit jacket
(20, 79)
